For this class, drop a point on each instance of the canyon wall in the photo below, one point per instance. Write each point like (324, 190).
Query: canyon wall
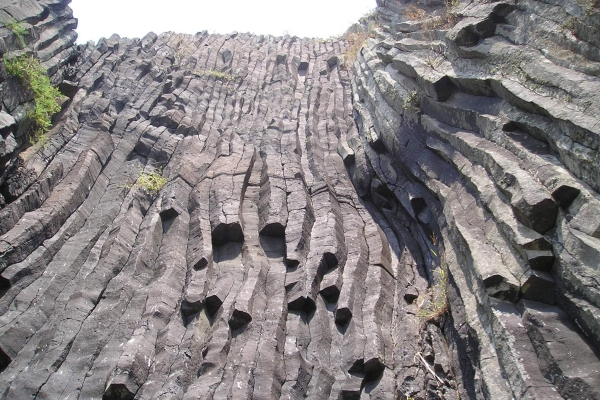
(422, 222)
(479, 130)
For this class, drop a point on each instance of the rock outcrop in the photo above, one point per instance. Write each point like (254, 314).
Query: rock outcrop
(421, 224)
(478, 147)
(47, 32)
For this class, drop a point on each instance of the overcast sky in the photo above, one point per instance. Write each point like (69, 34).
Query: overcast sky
(135, 18)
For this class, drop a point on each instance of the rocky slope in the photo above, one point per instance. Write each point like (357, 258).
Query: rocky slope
(422, 224)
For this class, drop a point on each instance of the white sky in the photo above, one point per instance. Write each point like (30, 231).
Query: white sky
(135, 18)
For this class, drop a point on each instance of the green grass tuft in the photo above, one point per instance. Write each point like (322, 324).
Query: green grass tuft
(438, 306)
(17, 29)
(46, 97)
(152, 182)
(222, 76)
(412, 100)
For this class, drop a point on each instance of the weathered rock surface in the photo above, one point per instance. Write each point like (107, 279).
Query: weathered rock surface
(478, 140)
(315, 214)
(50, 37)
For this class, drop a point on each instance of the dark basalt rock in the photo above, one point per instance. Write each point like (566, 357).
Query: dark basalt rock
(421, 224)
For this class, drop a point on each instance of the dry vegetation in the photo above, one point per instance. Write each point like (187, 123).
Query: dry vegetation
(438, 305)
(356, 36)
(414, 13)
(183, 46)
(446, 20)
(411, 100)
(219, 75)
(450, 16)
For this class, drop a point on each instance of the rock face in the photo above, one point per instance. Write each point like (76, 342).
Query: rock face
(422, 224)
(478, 130)
(48, 34)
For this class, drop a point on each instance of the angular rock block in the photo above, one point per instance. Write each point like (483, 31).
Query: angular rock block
(330, 287)
(517, 353)
(369, 370)
(190, 307)
(200, 264)
(297, 302)
(410, 294)
(541, 260)
(500, 287)
(373, 369)
(539, 286)
(587, 219)
(168, 213)
(347, 154)
(565, 195)
(351, 388)
(566, 358)
(539, 215)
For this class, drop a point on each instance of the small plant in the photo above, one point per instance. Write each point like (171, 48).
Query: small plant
(152, 182)
(178, 51)
(438, 306)
(450, 18)
(41, 139)
(46, 97)
(414, 13)
(183, 47)
(222, 76)
(356, 36)
(411, 100)
(434, 59)
(569, 24)
(17, 29)
(590, 5)
(450, 4)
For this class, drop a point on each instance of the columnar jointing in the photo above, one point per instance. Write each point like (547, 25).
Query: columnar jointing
(421, 224)
(478, 147)
(255, 272)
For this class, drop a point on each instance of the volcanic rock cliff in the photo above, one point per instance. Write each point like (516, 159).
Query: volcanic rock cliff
(257, 217)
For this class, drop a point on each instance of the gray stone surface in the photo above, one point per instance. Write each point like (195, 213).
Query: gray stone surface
(477, 140)
(50, 37)
(421, 224)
